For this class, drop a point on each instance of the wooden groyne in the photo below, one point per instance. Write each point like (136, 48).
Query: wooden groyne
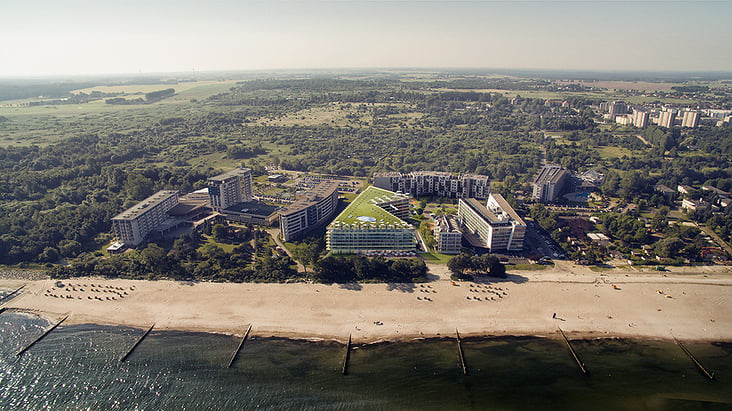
(693, 359)
(460, 352)
(238, 348)
(139, 340)
(12, 294)
(574, 354)
(347, 356)
(45, 333)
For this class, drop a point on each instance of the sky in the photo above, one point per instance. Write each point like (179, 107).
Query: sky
(51, 37)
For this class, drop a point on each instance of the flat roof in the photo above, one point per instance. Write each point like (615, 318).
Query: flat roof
(364, 210)
(254, 208)
(550, 173)
(233, 173)
(507, 208)
(324, 189)
(145, 204)
(479, 208)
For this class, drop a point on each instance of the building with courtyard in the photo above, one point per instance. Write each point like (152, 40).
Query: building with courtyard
(434, 183)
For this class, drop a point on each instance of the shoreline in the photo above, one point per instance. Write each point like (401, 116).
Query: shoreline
(293, 336)
(693, 306)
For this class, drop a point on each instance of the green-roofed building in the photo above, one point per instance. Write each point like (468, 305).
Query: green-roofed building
(373, 222)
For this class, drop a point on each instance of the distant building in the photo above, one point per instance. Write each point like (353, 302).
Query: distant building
(720, 193)
(133, 225)
(666, 118)
(694, 205)
(640, 117)
(617, 108)
(230, 188)
(684, 189)
(691, 119)
(277, 178)
(667, 192)
(434, 183)
(447, 235)
(496, 224)
(367, 224)
(548, 184)
(310, 212)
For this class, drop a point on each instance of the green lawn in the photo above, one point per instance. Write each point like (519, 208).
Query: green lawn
(435, 257)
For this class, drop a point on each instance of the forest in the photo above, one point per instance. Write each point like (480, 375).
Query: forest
(57, 198)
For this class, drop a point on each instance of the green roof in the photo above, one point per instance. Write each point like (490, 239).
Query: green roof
(365, 206)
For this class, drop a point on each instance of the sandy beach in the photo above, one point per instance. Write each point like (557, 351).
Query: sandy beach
(690, 303)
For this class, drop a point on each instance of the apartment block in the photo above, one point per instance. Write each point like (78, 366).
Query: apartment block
(434, 183)
(447, 235)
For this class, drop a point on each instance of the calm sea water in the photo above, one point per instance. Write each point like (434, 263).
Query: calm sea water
(77, 367)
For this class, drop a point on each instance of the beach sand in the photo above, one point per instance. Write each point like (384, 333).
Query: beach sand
(692, 304)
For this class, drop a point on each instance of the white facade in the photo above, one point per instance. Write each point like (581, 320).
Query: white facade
(228, 189)
(496, 224)
(435, 183)
(133, 225)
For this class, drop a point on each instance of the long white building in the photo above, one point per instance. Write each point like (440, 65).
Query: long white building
(133, 225)
(434, 183)
(496, 224)
(228, 189)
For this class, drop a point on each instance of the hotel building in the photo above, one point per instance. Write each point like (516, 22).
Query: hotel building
(549, 183)
(434, 183)
(132, 226)
(370, 223)
(228, 189)
(496, 224)
(306, 214)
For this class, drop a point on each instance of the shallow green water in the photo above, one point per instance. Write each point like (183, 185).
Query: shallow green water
(77, 367)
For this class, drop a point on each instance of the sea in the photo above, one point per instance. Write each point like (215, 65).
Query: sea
(78, 367)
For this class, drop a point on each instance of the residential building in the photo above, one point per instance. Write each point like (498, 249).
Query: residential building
(133, 225)
(309, 212)
(368, 224)
(691, 119)
(496, 224)
(434, 183)
(548, 184)
(694, 205)
(640, 117)
(228, 189)
(617, 108)
(447, 235)
(666, 118)
(684, 189)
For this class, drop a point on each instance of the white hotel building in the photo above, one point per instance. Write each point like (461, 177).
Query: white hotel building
(132, 226)
(228, 189)
(496, 224)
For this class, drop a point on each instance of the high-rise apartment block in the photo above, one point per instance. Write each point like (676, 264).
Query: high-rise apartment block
(691, 119)
(228, 189)
(548, 184)
(133, 225)
(666, 118)
(434, 183)
(617, 108)
(640, 117)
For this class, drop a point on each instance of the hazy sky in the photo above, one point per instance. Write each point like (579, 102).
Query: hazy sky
(39, 37)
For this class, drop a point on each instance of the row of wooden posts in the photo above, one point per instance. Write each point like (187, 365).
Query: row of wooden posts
(346, 357)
